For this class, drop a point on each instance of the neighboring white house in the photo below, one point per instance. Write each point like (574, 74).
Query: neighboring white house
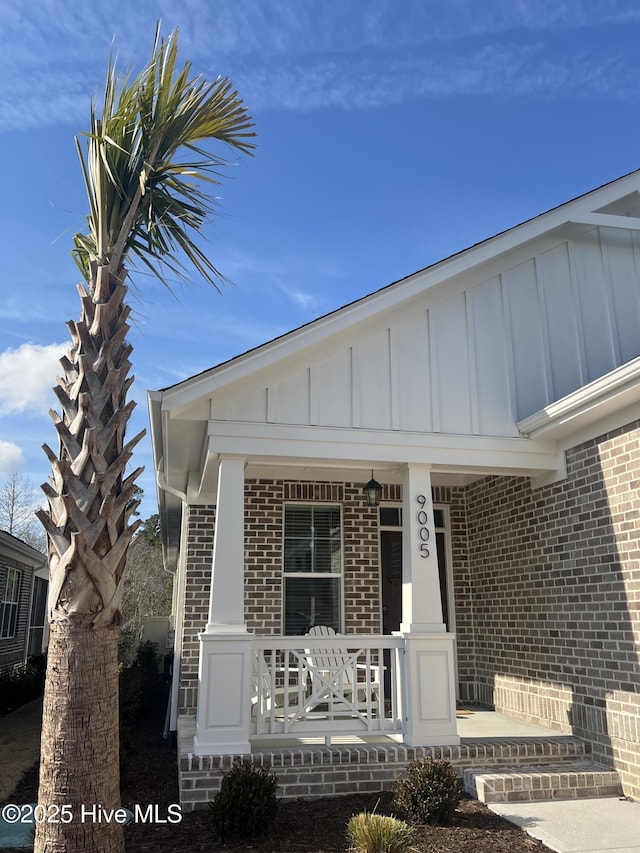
(24, 580)
(495, 397)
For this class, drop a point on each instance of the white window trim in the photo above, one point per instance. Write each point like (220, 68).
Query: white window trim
(339, 575)
(14, 603)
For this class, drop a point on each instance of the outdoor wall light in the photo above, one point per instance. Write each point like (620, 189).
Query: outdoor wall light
(373, 492)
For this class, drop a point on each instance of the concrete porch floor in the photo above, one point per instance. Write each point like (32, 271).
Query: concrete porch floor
(480, 723)
(471, 724)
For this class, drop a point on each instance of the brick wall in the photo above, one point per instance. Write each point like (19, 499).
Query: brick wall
(197, 583)
(263, 555)
(455, 499)
(264, 502)
(362, 591)
(555, 585)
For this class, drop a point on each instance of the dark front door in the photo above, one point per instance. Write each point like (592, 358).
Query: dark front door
(391, 560)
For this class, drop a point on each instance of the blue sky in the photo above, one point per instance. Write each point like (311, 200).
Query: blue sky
(391, 133)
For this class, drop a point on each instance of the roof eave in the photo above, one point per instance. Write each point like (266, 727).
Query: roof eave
(607, 402)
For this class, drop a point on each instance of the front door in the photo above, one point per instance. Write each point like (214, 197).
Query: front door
(391, 564)
(391, 561)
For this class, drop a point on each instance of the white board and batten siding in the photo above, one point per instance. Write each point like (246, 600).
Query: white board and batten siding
(470, 357)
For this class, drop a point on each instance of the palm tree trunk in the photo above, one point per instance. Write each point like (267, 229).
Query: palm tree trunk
(87, 523)
(79, 765)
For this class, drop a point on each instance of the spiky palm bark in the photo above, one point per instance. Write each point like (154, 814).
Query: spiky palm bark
(90, 504)
(143, 168)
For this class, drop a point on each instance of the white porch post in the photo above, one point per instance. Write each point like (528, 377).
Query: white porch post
(430, 694)
(226, 600)
(224, 677)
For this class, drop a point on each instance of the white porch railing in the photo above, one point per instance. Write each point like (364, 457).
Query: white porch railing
(326, 686)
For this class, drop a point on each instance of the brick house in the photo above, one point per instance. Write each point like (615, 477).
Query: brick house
(24, 579)
(495, 398)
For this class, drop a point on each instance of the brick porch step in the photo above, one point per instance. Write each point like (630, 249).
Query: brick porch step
(562, 782)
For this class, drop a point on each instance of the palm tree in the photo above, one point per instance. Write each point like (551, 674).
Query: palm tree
(143, 165)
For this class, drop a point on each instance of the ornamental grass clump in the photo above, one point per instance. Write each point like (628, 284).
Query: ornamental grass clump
(246, 804)
(429, 793)
(376, 833)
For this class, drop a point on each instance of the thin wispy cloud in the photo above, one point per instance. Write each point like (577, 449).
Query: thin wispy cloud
(311, 58)
(490, 72)
(302, 298)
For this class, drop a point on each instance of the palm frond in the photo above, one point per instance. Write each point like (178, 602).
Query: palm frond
(146, 159)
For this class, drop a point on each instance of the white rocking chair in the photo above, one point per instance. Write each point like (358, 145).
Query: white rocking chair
(272, 699)
(334, 678)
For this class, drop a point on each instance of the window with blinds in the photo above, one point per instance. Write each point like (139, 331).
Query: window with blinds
(312, 568)
(9, 604)
(38, 616)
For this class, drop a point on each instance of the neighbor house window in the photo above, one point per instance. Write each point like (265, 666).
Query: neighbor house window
(38, 616)
(312, 568)
(9, 604)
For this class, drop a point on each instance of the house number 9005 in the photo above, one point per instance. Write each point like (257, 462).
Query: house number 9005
(423, 530)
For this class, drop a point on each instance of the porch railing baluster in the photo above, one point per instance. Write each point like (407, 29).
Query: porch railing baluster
(337, 687)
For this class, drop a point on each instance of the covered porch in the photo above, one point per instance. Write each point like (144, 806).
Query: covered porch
(332, 685)
(400, 683)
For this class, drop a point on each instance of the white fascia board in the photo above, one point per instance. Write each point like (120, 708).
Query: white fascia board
(154, 405)
(178, 398)
(608, 220)
(20, 551)
(571, 416)
(336, 445)
(156, 426)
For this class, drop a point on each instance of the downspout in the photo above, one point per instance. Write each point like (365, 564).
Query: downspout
(172, 722)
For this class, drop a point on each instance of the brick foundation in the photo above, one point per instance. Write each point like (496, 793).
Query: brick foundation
(332, 771)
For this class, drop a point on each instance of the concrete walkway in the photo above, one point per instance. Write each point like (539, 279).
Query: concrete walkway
(578, 826)
(607, 825)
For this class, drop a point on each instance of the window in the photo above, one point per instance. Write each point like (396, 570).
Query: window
(390, 516)
(9, 604)
(312, 568)
(38, 616)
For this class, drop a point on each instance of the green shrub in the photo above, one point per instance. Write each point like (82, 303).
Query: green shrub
(137, 692)
(376, 833)
(21, 684)
(137, 682)
(246, 804)
(430, 792)
(147, 657)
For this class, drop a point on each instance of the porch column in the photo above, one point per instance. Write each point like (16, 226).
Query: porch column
(226, 599)
(224, 676)
(429, 671)
(421, 601)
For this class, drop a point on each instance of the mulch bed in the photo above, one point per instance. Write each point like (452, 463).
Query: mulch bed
(309, 826)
